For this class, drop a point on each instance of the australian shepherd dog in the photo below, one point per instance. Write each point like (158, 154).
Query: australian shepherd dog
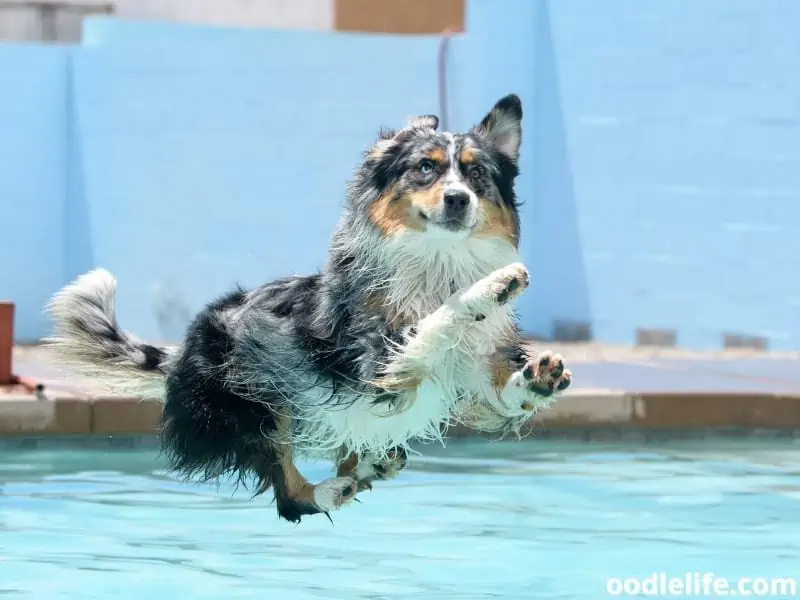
(408, 327)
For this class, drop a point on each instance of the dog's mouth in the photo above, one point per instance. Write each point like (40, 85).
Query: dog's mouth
(454, 224)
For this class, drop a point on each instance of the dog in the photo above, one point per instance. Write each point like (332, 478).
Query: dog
(407, 328)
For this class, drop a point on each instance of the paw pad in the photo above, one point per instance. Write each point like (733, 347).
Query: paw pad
(514, 282)
(546, 374)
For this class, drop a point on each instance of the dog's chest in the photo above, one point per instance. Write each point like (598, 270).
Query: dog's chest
(422, 279)
(365, 425)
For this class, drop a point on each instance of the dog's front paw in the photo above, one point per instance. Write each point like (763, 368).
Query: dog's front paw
(498, 289)
(542, 377)
(509, 282)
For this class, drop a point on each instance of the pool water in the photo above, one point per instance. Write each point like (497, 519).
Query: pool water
(511, 520)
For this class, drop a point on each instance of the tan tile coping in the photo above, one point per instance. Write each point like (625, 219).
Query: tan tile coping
(580, 410)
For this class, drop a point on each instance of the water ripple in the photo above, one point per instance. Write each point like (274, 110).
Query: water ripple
(477, 520)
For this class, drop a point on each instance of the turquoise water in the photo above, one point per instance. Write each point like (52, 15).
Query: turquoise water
(512, 520)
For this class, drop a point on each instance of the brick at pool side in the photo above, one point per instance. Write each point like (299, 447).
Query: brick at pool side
(25, 415)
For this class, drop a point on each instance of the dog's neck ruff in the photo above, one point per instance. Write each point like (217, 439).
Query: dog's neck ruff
(424, 271)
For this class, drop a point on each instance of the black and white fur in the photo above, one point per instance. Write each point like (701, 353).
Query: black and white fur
(408, 327)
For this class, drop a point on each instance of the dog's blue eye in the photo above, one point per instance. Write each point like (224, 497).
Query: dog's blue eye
(426, 167)
(475, 172)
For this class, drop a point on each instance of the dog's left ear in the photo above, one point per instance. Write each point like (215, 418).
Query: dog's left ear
(423, 122)
(503, 126)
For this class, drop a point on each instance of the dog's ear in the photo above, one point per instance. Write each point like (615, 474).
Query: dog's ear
(386, 134)
(423, 122)
(502, 127)
(389, 137)
(384, 142)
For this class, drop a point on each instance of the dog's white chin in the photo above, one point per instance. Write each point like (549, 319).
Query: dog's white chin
(438, 233)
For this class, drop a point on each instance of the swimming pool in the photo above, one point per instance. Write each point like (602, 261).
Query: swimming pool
(512, 520)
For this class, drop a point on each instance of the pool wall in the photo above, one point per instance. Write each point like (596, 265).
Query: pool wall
(589, 415)
(659, 171)
(614, 394)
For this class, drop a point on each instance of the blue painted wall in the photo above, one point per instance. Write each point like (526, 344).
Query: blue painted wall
(32, 179)
(680, 158)
(659, 162)
(204, 171)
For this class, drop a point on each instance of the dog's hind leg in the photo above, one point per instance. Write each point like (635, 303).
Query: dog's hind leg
(295, 496)
(367, 468)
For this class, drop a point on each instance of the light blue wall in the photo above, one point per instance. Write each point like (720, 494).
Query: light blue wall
(659, 162)
(231, 163)
(675, 136)
(32, 179)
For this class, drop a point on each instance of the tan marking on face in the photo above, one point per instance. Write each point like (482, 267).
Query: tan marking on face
(392, 214)
(467, 155)
(428, 199)
(496, 220)
(437, 154)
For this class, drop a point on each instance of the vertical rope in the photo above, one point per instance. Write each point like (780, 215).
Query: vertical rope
(442, 78)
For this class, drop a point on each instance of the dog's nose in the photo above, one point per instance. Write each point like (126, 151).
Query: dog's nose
(455, 202)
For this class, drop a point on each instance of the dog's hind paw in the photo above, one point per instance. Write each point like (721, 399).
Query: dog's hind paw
(334, 493)
(370, 468)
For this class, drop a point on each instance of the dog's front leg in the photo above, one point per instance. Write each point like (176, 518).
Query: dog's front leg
(430, 351)
(519, 386)
(534, 381)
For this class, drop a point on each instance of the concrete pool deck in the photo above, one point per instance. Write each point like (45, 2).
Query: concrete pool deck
(616, 388)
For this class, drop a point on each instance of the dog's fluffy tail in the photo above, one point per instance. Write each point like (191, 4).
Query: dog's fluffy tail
(87, 339)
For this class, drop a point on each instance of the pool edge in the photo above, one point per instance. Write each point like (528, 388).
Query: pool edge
(578, 411)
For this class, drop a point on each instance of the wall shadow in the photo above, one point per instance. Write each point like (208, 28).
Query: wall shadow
(559, 282)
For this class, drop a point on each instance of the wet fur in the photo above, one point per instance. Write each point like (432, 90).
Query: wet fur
(383, 346)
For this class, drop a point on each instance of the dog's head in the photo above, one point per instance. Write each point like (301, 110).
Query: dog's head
(441, 186)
